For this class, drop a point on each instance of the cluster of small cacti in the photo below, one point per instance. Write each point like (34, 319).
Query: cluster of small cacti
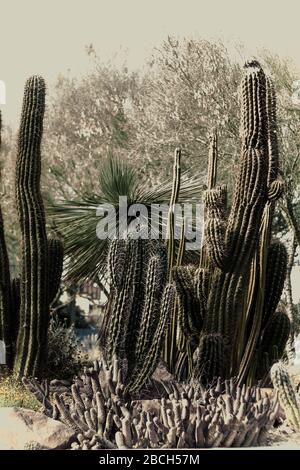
(32, 445)
(142, 300)
(25, 301)
(184, 416)
(289, 398)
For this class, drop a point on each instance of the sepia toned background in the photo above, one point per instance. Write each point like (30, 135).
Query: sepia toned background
(38, 36)
(52, 38)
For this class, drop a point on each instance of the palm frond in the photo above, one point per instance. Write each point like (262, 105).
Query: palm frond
(76, 220)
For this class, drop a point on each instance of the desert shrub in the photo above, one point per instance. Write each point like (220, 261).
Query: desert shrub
(90, 346)
(13, 393)
(65, 355)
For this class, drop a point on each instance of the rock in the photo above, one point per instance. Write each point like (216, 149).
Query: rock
(19, 426)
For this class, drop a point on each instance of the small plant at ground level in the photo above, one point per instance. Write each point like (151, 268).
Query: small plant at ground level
(32, 445)
(185, 415)
(65, 355)
(13, 393)
(90, 347)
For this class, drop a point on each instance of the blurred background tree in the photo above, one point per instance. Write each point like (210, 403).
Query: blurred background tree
(186, 88)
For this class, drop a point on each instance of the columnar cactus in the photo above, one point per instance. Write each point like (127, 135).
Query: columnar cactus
(55, 266)
(141, 306)
(34, 309)
(24, 303)
(244, 271)
(288, 396)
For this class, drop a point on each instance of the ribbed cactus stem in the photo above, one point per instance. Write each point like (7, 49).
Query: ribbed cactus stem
(190, 314)
(273, 342)
(34, 308)
(288, 397)
(149, 362)
(55, 266)
(210, 363)
(151, 310)
(275, 278)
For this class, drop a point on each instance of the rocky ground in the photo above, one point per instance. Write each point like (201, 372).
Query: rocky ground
(26, 429)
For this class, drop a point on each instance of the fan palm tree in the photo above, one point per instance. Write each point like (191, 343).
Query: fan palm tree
(76, 220)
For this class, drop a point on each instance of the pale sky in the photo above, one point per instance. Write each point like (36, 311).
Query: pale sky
(48, 36)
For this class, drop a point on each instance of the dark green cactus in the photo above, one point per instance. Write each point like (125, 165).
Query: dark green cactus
(275, 278)
(273, 342)
(148, 361)
(246, 276)
(6, 319)
(55, 266)
(123, 300)
(155, 280)
(24, 302)
(140, 307)
(190, 313)
(15, 309)
(288, 396)
(34, 309)
(210, 360)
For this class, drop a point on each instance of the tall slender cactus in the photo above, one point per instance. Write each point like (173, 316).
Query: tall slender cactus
(25, 302)
(34, 309)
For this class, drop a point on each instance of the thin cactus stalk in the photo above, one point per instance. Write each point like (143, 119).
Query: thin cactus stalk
(170, 347)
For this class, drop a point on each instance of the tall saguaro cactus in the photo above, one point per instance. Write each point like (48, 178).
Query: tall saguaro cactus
(25, 302)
